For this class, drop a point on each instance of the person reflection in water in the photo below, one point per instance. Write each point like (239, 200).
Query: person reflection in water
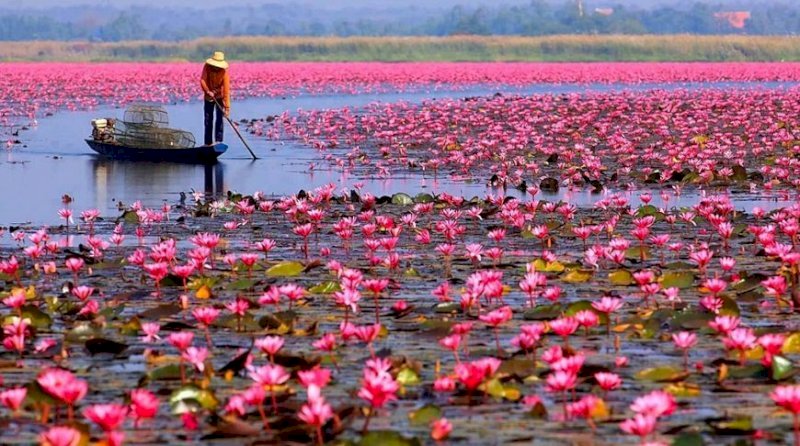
(216, 85)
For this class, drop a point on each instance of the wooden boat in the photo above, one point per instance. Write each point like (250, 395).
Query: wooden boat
(196, 155)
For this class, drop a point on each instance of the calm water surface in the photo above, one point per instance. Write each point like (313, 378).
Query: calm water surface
(57, 161)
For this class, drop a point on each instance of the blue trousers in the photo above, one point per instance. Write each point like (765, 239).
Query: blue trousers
(209, 109)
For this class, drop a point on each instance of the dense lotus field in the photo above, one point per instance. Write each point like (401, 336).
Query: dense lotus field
(336, 316)
(31, 90)
(340, 317)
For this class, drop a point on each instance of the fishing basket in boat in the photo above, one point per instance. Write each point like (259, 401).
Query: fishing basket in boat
(144, 126)
(147, 114)
(144, 136)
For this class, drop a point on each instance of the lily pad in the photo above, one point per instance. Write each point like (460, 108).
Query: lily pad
(286, 269)
(781, 368)
(677, 279)
(325, 288)
(204, 397)
(100, 345)
(577, 276)
(662, 374)
(402, 199)
(408, 377)
(621, 277)
(425, 415)
(387, 438)
(548, 267)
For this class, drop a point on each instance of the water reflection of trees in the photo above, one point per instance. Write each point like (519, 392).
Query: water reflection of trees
(127, 181)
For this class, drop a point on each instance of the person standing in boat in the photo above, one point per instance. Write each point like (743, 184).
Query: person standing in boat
(216, 84)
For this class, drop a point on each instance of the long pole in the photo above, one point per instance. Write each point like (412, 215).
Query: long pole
(235, 129)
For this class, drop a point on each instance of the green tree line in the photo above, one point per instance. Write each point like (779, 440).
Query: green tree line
(539, 17)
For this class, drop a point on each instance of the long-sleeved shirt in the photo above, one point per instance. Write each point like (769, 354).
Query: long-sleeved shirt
(218, 82)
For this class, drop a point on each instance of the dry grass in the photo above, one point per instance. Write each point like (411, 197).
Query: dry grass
(455, 48)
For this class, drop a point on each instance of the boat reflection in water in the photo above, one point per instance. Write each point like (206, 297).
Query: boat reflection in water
(120, 183)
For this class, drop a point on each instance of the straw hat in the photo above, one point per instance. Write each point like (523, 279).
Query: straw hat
(218, 60)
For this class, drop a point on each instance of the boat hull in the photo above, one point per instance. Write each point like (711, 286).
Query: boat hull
(194, 155)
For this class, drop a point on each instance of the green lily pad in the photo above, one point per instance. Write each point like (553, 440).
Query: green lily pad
(82, 332)
(542, 313)
(325, 288)
(688, 439)
(39, 319)
(577, 276)
(241, 285)
(677, 279)
(286, 269)
(387, 438)
(621, 277)
(425, 415)
(204, 397)
(408, 377)
(782, 368)
(167, 373)
(662, 374)
(735, 426)
(402, 199)
(548, 267)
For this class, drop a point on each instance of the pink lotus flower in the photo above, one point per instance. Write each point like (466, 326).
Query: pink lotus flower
(60, 436)
(440, 429)
(656, 404)
(144, 405)
(608, 381)
(640, 425)
(108, 416)
(13, 398)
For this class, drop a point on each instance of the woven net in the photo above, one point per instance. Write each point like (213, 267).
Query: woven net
(145, 127)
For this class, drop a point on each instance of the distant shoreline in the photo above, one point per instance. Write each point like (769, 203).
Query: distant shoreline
(561, 48)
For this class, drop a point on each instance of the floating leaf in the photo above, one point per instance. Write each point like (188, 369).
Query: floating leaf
(231, 427)
(792, 344)
(756, 371)
(130, 217)
(190, 394)
(241, 285)
(325, 288)
(38, 318)
(100, 345)
(736, 426)
(739, 173)
(691, 320)
(577, 276)
(637, 253)
(729, 307)
(447, 307)
(286, 269)
(425, 415)
(203, 293)
(407, 377)
(548, 267)
(688, 439)
(160, 312)
(621, 277)
(167, 372)
(683, 389)
(83, 331)
(543, 312)
(581, 305)
(236, 365)
(599, 411)
(387, 438)
(423, 198)
(781, 368)
(677, 279)
(402, 199)
(662, 374)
